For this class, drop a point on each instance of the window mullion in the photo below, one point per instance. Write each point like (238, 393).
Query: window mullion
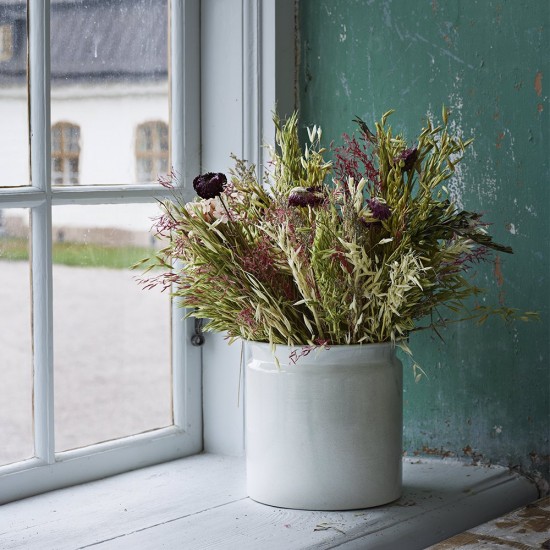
(185, 129)
(41, 242)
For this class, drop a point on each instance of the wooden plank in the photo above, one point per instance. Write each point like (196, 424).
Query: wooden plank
(526, 528)
(200, 503)
(87, 514)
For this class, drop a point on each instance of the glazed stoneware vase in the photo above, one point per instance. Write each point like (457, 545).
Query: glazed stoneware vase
(324, 432)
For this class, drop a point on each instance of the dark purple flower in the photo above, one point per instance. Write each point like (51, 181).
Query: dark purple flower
(379, 210)
(209, 185)
(305, 196)
(409, 156)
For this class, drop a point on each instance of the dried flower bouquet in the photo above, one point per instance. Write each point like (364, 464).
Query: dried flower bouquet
(364, 248)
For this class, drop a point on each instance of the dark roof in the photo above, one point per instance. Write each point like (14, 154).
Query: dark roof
(95, 40)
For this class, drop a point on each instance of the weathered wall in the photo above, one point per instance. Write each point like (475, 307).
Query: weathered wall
(487, 397)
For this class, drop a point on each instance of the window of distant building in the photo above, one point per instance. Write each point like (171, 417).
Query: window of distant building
(65, 153)
(151, 150)
(6, 41)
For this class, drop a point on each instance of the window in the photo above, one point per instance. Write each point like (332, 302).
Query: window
(151, 150)
(46, 220)
(65, 153)
(79, 340)
(6, 41)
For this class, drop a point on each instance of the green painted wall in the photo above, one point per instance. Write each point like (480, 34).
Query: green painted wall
(487, 397)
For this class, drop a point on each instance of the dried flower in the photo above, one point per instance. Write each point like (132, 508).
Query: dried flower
(305, 196)
(354, 160)
(409, 157)
(209, 185)
(379, 210)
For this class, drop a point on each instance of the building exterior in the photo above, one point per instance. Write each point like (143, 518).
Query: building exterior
(109, 98)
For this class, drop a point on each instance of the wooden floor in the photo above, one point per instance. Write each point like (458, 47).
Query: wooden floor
(200, 503)
(526, 528)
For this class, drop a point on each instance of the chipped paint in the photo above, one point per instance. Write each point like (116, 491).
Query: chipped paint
(345, 85)
(526, 528)
(538, 84)
(512, 229)
(343, 34)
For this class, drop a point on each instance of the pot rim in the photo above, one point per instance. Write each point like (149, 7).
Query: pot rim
(293, 356)
(328, 347)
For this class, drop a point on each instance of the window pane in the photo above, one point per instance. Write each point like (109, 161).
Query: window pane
(111, 338)
(14, 141)
(56, 139)
(109, 75)
(16, 421)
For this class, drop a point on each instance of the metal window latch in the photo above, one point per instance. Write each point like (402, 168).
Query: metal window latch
(198, 337)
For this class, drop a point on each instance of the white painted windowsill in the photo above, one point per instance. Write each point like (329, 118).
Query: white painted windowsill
(200, 502)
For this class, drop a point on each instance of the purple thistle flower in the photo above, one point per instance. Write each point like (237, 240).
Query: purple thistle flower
(409, 156)
(305, 196)
(209, 185)
(379, 210)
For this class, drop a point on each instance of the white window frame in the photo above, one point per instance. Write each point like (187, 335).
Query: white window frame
(49, 470)
(254, 59)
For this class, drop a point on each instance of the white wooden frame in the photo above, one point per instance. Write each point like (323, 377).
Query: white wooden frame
(49, 470)
(258, 73)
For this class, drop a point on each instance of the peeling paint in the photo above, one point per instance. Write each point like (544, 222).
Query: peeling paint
(345, 85)
(512, 229)
(538, 84)
(343, 35)
(498, 271)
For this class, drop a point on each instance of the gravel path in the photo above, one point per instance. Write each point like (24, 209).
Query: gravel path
(111, 358)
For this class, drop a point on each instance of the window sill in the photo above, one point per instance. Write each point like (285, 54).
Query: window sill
(200, 502)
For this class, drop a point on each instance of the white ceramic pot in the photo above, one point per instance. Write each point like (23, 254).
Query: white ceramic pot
(324, 433)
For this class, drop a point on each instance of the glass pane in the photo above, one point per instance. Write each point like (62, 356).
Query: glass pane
(72, 139)
(16, 422)
(111, 338)
(163, 132)
(14, 140)
(56, 139)
(109, 75)
(73, 168)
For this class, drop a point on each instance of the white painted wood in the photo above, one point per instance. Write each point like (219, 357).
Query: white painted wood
(185, 144)
(268, 73)
(223, 395)
(221, 83)
(252, 82)
(41, 261)
(200, 503)
(185, 101)
(21, 197)
(108, 194)
(222, 133)
(242, 82)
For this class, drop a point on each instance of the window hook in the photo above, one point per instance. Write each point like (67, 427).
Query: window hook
(197, 339)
